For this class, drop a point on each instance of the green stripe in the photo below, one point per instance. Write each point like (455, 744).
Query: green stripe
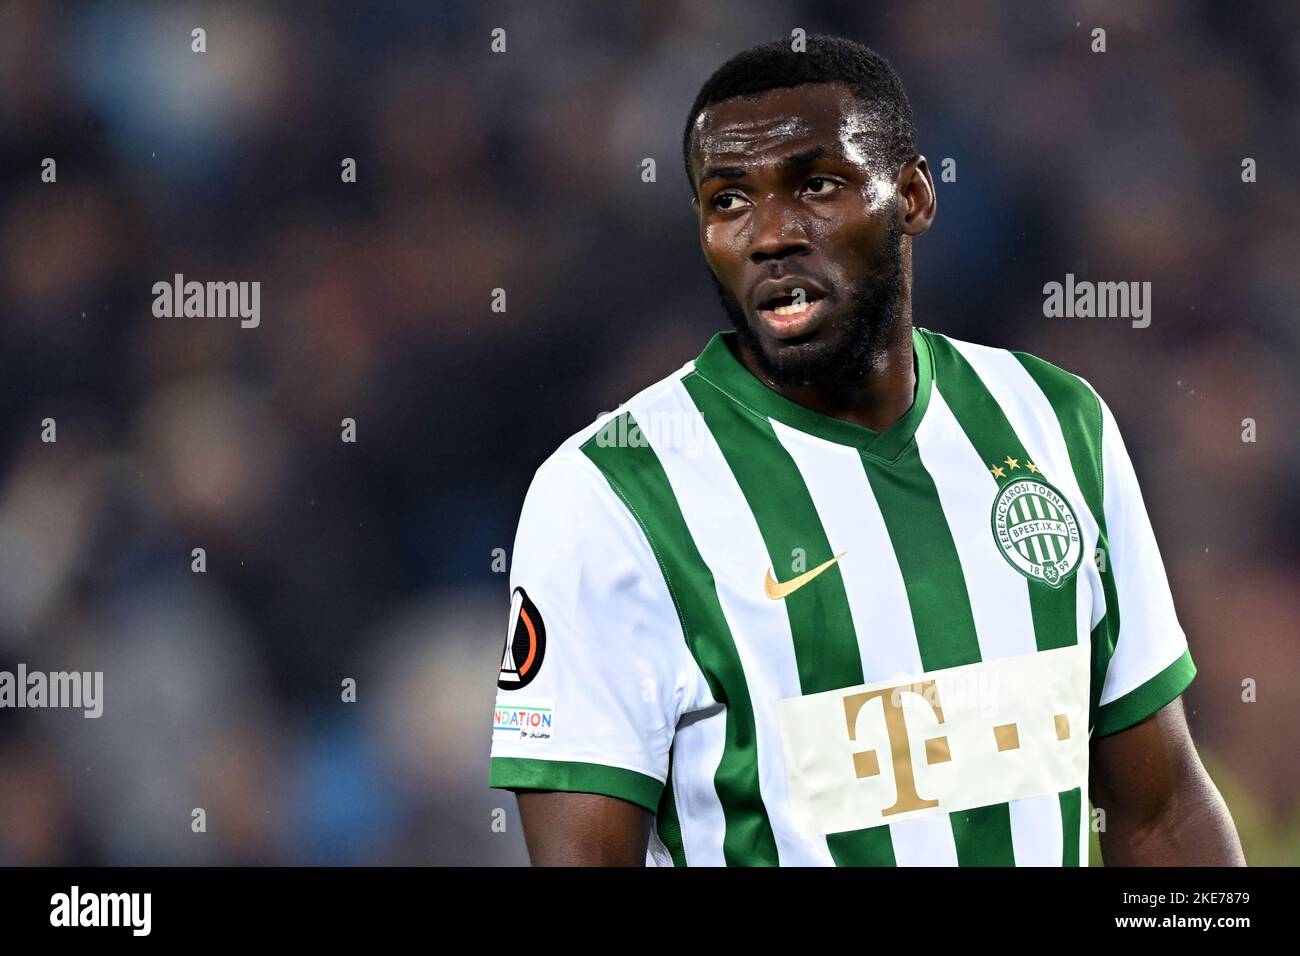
(520, 773)
(1071, 825)
(927, 556)
(986, 427)
(636, 475)
(821, 625)
(1079, 413)
(871, 847)
(941, 616)
(983, 836)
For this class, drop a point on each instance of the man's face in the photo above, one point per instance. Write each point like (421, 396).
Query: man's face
(793, 196)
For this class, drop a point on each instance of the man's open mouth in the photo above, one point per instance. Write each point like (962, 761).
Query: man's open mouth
(788, 304)
(790, 315)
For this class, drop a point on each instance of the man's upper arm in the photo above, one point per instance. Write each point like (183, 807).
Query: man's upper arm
(583, 829)
(1135, 772)
(594, 708)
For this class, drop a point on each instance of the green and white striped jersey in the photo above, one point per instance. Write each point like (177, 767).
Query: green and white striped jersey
(797, 641)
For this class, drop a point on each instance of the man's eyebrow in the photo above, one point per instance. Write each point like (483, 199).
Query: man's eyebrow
(793, 161)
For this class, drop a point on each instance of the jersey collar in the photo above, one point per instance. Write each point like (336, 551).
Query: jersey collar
(717, 365)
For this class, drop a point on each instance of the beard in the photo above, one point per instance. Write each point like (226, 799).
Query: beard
(858, 335)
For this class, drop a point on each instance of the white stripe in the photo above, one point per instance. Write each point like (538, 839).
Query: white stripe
(1036, 830)
(877, 597)
(999, 594)
(924, 841)
(729, 541)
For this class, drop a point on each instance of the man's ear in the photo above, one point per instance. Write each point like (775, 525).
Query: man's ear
(917, 202)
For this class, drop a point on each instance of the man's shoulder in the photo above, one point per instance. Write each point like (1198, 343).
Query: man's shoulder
(617, 430)
(1067, 391)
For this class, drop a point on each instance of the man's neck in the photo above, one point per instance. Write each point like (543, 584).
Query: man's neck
(883, 397)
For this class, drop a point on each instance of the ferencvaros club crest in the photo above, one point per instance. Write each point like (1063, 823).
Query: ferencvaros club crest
(1036, 530)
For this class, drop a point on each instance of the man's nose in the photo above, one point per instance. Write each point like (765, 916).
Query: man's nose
(778, 232)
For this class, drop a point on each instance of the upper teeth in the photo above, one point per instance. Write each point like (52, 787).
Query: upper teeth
(793, 309)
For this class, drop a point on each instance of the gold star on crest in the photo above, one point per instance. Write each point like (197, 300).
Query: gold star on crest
(997, 472)
(1012, 462)
(1032, 467)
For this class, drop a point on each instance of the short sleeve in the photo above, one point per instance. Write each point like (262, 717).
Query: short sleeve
(1150, 663)
(595, 672)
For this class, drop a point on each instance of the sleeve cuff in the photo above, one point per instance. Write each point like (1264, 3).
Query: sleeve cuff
(519, 773)
(1143, 701)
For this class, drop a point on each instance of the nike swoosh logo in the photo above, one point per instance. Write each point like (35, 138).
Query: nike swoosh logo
(777, 590)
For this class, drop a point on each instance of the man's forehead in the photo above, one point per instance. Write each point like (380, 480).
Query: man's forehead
(745, 125)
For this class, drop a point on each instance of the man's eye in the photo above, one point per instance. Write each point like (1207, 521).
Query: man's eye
(832, 184)
(718, 199)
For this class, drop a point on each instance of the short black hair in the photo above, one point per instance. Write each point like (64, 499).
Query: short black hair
(826, 59)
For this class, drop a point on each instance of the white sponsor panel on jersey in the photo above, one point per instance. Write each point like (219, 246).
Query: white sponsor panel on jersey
(947, 740)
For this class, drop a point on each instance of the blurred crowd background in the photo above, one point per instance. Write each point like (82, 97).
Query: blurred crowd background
(522, 171)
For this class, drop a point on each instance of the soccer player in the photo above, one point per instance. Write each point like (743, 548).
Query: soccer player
(842, 590)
